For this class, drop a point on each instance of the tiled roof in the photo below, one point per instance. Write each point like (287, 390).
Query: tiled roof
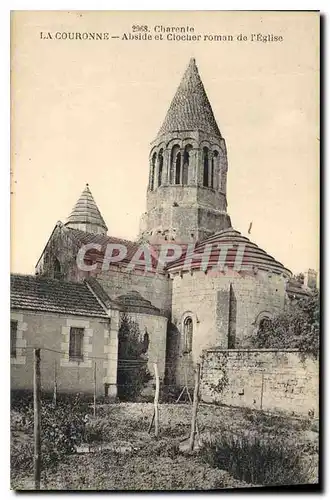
(37, 293)
(190, 108)
(132, 247)
(86, 211)
(133, 301)
(253, 256)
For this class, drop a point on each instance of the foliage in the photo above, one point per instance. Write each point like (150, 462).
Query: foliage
(132, 365)
(273, 461)
(298, 326)
(62, 429)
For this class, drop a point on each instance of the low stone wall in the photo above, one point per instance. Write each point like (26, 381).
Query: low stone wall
(282, 381)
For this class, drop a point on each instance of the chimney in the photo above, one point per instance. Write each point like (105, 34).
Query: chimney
(311, 279)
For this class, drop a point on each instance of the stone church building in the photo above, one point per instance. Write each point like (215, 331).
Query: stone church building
(184, 309)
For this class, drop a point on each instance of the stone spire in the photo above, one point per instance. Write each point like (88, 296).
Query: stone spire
(86, 215)
(190, 108)
(187, 189)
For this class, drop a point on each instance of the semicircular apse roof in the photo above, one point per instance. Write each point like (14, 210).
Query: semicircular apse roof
(238, 253)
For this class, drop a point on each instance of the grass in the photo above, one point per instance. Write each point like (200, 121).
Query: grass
(159, 464)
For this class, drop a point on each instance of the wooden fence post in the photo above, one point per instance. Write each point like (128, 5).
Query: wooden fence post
(94, 411)
(36, 409)
(55, 384)
(156, 401)
(262, 390)
(195, 407)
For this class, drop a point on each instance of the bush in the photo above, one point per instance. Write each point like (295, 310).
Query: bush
(254, 460)
(133, 374)
(297, 327)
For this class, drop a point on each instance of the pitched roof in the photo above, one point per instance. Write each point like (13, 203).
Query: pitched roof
(86, 211)
(253, 256)
(37, 293)
(190, 108)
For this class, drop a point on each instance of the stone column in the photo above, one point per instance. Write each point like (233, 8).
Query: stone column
(111, 350)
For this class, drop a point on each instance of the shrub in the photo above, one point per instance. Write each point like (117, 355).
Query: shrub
(298, 326)
(63, 428)
(132, 365)
(255, 460)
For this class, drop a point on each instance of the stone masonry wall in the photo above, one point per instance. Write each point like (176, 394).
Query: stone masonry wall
(272, 380)
(51, 332)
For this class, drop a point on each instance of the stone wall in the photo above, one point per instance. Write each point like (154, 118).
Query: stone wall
(265, 379)
(51, 332)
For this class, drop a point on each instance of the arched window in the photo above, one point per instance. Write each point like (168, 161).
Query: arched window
(178, 168)
(152, 171)
(186, 162)
(57, 269)
(205, 167)
(215, 169)
(263, 325)
(187, 334)
(160, 167)
(173, 164)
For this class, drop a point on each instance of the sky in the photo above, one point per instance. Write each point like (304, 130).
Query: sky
(86, 111)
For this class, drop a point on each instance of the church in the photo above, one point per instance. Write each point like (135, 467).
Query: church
(183, 309)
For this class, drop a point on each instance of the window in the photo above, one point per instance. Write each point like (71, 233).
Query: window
(187, 333)
(152, 171)
(205, 167)
(13, 338)
(57, 269)
(186, 158)
(76, 344)
(160, 167)
(178, 168)
(174, 171)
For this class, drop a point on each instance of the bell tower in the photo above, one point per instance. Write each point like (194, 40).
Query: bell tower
(186, 195)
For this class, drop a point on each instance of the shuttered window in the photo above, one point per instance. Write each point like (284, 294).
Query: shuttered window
(76, 344)
(13, 338)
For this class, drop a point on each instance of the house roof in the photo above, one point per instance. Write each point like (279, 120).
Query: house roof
(252, 255)
(37, 293)
(190, 108)
(86, 211)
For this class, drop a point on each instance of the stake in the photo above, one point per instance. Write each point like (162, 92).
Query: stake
(55, 385)
(36, 409)
(262, 390)
(152, 421)
(156, 401)
(195, 406)
(94, 389)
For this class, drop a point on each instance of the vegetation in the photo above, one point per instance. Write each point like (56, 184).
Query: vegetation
(133, 373)
(271, 461)
(298, 327)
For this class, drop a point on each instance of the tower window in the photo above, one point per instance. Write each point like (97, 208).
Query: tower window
(216, 172)
(187, 334)
(205, 167)
(174, 154)
(178, 168)
(152, 171)
(160, 167)
(186, 162)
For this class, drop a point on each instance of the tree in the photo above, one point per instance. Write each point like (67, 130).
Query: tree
(133, 373)
(297, 327)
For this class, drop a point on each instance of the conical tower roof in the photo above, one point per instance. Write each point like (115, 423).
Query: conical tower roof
(190, 108)
(86, 212)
